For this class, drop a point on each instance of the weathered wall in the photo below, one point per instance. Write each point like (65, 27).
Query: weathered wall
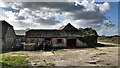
(8, 37)
(0, 41)
(0, 30)
(0, 45)
(80, 43)
(0, 37)
(29, 46)
(33, 43)
(55, 44)
(34, 40)
(9, 43)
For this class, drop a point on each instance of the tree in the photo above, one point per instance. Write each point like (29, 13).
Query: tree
(89, 36)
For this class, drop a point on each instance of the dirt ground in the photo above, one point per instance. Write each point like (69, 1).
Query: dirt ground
(100, 56)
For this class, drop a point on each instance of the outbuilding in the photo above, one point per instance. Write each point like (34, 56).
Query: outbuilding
(65, 36)
(7, 36)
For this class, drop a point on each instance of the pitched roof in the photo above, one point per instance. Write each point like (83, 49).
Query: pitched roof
(53, 33)
(67, 31)
(68, 27)
(62, 27)
(5, 26)
(3, 21)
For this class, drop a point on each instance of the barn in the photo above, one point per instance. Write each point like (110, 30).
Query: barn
(65, 36)
(7, 36)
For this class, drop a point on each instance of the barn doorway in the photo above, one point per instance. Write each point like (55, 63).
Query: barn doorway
(71, 42)
(48, 39)
(47, 44)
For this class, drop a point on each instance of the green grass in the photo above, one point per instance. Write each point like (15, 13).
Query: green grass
(10, 61)
(109, 41)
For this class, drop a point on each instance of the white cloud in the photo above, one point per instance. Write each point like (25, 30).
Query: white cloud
(10, 15)
(2, 4)
(89, 5)
(104, 7)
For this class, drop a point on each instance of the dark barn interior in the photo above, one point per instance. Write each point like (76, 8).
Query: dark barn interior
(71, 42)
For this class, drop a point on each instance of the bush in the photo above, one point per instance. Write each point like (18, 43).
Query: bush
(89, 36)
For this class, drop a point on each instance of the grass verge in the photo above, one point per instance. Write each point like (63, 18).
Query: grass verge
(109, 41)
(12, 61)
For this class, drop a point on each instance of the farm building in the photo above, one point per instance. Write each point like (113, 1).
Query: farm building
(65, 36)
(20, 39)
(7, 36)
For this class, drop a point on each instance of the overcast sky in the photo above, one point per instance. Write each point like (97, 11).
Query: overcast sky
(102, 16)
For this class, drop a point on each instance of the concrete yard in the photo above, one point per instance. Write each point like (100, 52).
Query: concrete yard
(100, 56)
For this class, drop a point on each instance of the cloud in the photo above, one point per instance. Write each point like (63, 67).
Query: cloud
(55, 14)
(104, 7)
(59, 6)
(2, 4)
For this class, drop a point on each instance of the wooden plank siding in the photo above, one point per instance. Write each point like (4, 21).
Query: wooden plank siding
(8, 36)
